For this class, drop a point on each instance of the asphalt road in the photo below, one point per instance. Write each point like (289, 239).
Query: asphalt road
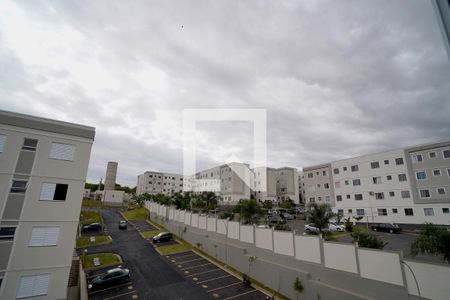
(152, 275)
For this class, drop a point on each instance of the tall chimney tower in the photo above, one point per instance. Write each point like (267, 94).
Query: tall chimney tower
(110, 179)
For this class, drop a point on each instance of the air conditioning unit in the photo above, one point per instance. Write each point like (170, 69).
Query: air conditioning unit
(371, 193)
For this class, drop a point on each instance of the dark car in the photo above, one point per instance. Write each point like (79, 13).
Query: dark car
(92, 227)
(276, 219)
(386, 227)
(162, 237)
(122, 224)
(110, 278)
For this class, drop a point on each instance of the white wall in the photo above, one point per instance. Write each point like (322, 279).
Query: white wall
(222, 226)
(211, 224)
(263, 238)
(307, 248)
(181, 216)
(340, 257)
(233, 230)
(433, 280)
(283, 242)
(246, 234)
(380, 265)
(171, 213)
(187, 218)
(194, 220)
(202, 222)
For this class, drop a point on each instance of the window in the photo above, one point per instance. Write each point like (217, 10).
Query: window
(340, 212)
(44, 236)
(29, 144)
(376, 180)
(379, 196)
(446, 153)
(338, 198)
(401, 177)
(346, 182)
(310, 175)
(418, 158)
(382, 211)
(350, 211)
(389, 177)
(7, 233)
(391, 194)
(424, 194)
(62, 151)
(53, 191)
(344, 168)
(409, 212)
(429, 212)
(432, 154)
(312, 199)
(360, 212)
(327, 199)
(394, 210)
(30, 286)
(437, 172)
(405, 194)
(421, 175)
(19, 186)
(319, 199)
(446, 210)
(386, 161)
(356, 182)
(355, 168)
(399, 161)
(2, 142)
(358, 196)
(317, 173)
(337, 184)
(326, 185)
(318, 185)
(441, 191)
(336, 171)
(348, 196)
(375, 165)
(324, 173)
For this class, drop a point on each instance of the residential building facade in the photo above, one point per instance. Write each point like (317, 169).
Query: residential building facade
(407, 186)
(43, 166)
(153, 183)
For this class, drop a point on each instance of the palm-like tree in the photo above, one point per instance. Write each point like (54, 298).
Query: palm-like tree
(434, 240)
(319, 214)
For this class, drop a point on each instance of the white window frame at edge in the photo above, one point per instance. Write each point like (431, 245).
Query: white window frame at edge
(440, 173)
(415, 160)
(420, 195)
(426, 175)
(43, 226)
(427, 208)
(443, 154)
(33, 294)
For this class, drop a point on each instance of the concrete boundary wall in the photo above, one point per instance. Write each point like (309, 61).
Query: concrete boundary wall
(333, 270)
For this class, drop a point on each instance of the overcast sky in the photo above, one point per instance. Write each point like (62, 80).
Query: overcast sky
(337, 78)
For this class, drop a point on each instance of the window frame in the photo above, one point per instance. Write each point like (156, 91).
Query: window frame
(421, 171)
(425, 209)
(420, 194)
(44, 244)
(408, 209)
(62, 144)
(443, 155)
(383, 210)
(429, 154)
(443, 188)
(440, 172)
(375, 165)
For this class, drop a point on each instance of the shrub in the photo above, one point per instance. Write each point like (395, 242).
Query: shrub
(367, 240)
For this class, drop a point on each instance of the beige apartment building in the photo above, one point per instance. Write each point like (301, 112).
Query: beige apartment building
(153, 183)
(275, 184)
(407, 186)
(43, 166)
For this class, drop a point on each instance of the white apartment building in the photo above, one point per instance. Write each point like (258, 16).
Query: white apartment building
(153, 183)
(408, 186)
(43, 166)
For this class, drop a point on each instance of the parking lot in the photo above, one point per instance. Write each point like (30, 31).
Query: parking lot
(120, 292)
(216, 282)
(142, 225)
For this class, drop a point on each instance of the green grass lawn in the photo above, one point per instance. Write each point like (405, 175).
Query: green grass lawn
(106, 259)
(169, 249)
(87, 217)
(137, 214)
(85, 241)
(150, 233)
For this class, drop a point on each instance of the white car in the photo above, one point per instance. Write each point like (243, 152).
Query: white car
(311, 228)
(336, 227)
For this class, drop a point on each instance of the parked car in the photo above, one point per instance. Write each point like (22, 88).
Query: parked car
(336, 227)
(162, 237)
(276, 219)
(288, 216)
(311, 227)
(386, 227)
(112, 277)
(300, 209)
(92, 227)
(122, 224)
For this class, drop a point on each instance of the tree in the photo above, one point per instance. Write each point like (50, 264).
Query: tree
(319, 214)
(348, 225)
(298, 286)
(434, 240)
(367, 240)
(267, 204)
(287, 204)
(139, 200)
(249, 210)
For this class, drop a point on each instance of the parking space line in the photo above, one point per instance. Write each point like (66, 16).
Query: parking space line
(188, 261)
(228, 275)
(113, 287)
(187, 254)
(180, 257)
(204, 272)
(188, 268)
(242, 294)
(117, 296)
(224, 287)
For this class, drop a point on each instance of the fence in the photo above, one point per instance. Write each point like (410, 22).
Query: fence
(312, 254)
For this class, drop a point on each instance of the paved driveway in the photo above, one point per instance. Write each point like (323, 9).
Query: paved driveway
(152, 275)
